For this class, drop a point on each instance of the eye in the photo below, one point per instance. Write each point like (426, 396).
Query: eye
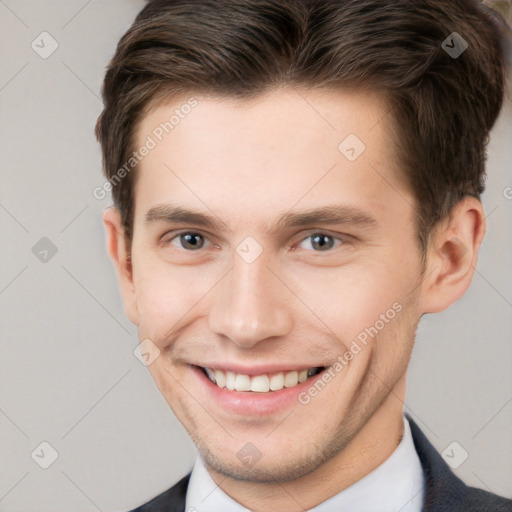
(321, 242)
(190, 241)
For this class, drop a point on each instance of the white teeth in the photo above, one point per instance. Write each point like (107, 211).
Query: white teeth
(211, 374)
(259, 383)
(220, 378)
(277, 381)
(230, 380)
(242, 382)
(291, 379)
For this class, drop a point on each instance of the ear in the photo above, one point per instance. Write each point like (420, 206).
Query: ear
(452, 254)
(118, 249)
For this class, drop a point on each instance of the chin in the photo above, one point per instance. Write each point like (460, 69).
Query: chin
(279, 467)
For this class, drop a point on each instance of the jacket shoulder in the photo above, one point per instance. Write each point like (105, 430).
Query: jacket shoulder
(444, 491)
(478, 500)
(171, 500)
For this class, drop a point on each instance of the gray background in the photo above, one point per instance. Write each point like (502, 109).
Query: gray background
(68, 373)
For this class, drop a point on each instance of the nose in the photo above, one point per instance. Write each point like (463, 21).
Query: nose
(250, 305)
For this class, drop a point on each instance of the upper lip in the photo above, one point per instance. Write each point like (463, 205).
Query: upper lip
(259, 369)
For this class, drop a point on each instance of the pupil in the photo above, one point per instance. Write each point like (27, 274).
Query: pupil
(322, 242)
(191, 241)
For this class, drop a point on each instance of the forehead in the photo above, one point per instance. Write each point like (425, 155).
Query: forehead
(248, 159)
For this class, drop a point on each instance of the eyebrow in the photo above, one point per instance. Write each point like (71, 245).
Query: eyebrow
(330, 214)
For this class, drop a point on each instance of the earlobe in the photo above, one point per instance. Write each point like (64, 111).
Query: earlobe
(117, 248)
(452, 255)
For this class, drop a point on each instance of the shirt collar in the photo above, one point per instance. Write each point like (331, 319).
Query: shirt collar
(396, 485)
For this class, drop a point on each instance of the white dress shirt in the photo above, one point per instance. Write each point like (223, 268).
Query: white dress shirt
(394, 486)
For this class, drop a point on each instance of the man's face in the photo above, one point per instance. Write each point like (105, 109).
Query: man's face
(260, 290)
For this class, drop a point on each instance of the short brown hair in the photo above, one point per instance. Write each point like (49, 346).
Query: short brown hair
(442, 105)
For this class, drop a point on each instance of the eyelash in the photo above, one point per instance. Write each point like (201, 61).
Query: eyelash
(176, 236)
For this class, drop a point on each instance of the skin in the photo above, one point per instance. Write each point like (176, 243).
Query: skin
(246, 162)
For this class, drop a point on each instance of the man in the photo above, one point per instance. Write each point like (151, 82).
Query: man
(295, 184)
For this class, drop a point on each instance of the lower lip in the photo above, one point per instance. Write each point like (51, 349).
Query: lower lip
(251, 402)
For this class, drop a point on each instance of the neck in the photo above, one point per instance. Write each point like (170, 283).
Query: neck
(369, 448)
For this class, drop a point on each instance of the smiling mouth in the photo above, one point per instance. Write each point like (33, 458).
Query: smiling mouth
(264, 383)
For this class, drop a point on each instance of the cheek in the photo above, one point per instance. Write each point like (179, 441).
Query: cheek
(351, 300)
(167, 296)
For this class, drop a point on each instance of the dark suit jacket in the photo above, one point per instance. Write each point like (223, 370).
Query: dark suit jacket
(444, 492)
